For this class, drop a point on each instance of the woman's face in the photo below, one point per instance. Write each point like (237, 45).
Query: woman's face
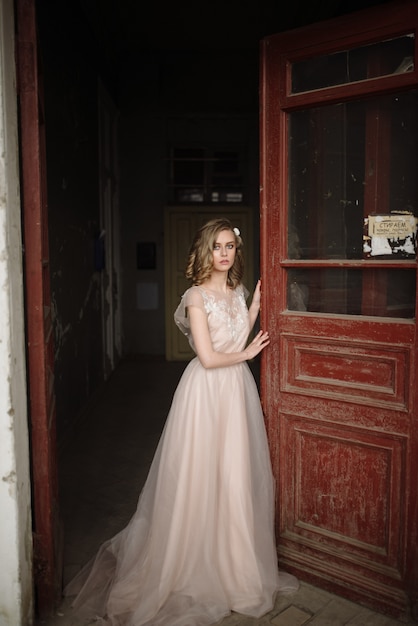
(224, 250)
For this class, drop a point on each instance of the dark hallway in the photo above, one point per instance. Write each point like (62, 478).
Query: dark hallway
(107, 456)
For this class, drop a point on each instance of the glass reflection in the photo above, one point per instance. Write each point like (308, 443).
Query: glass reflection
(376, 292)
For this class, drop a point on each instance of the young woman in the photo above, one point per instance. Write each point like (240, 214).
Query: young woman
(201, 542)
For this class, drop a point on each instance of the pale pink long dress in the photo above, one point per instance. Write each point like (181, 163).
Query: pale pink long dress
(201, 543)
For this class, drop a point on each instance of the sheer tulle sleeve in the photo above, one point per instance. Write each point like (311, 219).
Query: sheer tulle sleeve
(192, 297)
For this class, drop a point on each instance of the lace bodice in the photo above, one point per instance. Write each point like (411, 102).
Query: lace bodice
(227, 316)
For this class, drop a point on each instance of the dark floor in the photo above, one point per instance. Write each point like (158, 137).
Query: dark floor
(103, 466)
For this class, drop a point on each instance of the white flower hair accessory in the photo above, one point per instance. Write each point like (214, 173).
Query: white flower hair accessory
(236, 231)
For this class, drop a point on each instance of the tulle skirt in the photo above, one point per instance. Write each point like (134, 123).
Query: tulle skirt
(201, 542)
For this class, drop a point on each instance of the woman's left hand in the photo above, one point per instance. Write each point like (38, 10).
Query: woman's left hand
(260, 341)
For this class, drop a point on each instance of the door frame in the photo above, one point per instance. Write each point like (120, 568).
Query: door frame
(47, 529)
(16, 584)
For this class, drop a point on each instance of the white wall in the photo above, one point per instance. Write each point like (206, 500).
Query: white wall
(16, 587)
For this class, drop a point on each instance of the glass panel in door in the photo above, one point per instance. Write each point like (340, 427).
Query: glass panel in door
(353, 207)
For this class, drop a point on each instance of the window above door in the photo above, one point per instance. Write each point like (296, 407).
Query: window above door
(383, 58)
(207, 175)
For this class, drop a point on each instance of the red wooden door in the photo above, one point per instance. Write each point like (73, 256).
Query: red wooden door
(40, 355)
(339, 207)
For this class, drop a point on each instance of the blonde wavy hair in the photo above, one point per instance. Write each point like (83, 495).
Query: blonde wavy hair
(200, 261)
